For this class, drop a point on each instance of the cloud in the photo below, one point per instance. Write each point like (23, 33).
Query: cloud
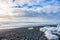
(47, 6)
(49, 10)
(39, 6)
(24, 19)
(11, 13)
(30, 12)
(36, 2)
(7, 10)
(22, 11)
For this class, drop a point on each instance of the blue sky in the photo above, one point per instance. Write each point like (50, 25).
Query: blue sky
(49, 9)
(30, 11)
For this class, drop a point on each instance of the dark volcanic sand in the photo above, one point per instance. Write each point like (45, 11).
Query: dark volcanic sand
(22, 34)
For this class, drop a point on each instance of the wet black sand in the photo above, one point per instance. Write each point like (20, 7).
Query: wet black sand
(23, 34)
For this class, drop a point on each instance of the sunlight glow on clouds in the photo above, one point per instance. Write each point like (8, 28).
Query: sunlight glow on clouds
(24, 19)
(33, 10)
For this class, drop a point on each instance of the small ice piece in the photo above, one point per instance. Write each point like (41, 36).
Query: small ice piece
(51, 36)
(50, 32)
(58, 28)
(44, 29)
(58, 25)
(4, 39)
(58, 32)
(13, 0)
(53, 29)
(30, 28)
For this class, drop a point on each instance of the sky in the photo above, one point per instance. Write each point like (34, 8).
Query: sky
(28, 12)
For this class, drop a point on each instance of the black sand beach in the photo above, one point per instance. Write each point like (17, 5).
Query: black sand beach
(22, 34)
